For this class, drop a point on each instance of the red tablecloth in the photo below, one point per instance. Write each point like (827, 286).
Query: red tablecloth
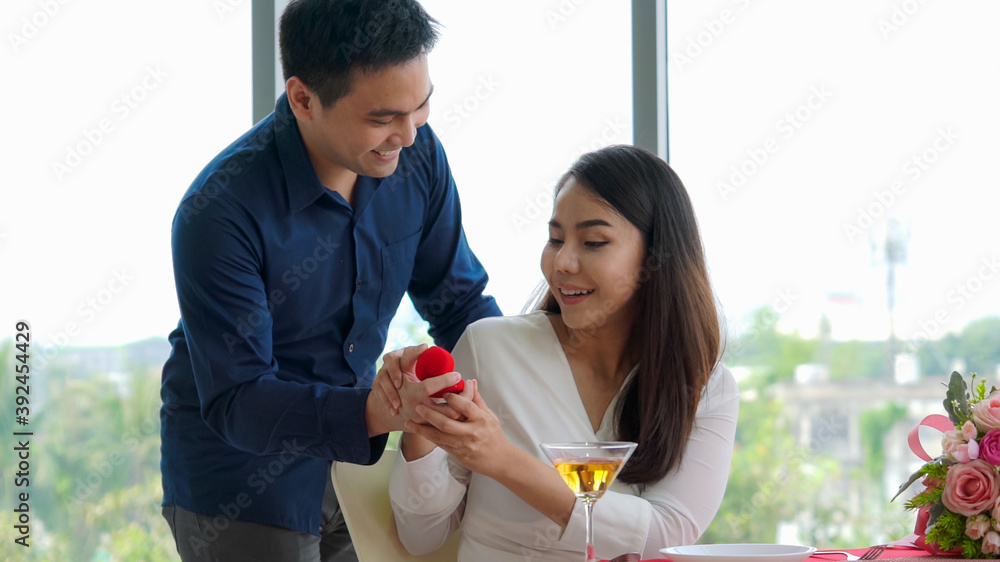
(899, 553)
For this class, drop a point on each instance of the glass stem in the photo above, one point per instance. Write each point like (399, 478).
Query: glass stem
(588, 510)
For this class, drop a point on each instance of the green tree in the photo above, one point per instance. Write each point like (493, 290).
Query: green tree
(874, 424)
(95, 483)
(979, 345)
(771, 478)
(78, 431)
(857, 359)
(132, 528)
(771, 354)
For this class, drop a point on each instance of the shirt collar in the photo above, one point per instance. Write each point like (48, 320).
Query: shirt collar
(302, 186)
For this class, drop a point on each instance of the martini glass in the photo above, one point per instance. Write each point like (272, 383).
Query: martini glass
(589, 468)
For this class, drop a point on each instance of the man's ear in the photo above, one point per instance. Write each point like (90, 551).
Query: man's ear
(304, 102)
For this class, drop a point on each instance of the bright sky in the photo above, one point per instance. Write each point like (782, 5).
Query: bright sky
(113, 108)
(863, 108)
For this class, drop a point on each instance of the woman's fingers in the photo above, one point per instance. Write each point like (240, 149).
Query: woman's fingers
(462, 404)
(443, 408)
(439, 416)
(433, 385)
(471, 387)
(440, 420)
(441, 405)
(477, 398)
(475, 441)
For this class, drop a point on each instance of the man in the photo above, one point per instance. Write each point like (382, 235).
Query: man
(292, 250)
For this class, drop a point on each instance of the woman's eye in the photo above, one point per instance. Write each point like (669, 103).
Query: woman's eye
(594, 244)
(381, 122)
(555, 242)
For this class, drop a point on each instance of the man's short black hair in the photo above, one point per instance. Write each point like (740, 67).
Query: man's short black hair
(324, 42)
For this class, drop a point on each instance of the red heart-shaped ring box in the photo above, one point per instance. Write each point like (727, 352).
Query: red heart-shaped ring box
(435, 361)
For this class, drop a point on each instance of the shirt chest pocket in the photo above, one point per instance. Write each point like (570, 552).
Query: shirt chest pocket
(397, 269)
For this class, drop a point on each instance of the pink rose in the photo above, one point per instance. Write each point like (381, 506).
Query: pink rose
(986, 412)
(996, 513)
(951, 441)
(989, 447)
(967, 452)
(970, 488)
(991, 543)
(969, 431)
(977, 526)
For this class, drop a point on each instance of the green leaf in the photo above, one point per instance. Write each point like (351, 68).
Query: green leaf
(978, 389)
(913, 478)
(957, 401)
(973, 550)
(947, 529)
(938, 511)
(936, 469)
(925, 498)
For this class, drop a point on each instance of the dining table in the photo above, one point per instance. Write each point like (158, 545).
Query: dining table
(900, 551)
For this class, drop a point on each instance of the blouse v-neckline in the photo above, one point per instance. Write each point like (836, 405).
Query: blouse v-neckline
(607, 423)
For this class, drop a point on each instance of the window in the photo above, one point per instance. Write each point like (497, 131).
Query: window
(521, 90)
(840, 157)
(113, 109)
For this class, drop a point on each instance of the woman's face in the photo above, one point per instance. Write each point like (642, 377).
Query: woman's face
(592, 261)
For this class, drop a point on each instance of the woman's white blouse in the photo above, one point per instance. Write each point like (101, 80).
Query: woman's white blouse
(525, 379)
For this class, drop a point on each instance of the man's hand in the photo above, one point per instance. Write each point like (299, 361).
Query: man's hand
(396, 392)
(395, 365)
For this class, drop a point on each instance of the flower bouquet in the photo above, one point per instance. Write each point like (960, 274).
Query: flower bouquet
(959, 511)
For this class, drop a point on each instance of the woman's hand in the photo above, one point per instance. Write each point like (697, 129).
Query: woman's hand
(476, 439)
(412, 445)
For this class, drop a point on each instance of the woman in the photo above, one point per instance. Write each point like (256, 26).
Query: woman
(624, 346)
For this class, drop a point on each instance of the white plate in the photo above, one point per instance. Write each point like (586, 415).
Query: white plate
(738, 552)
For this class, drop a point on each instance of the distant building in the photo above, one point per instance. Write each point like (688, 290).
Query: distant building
(824, 417)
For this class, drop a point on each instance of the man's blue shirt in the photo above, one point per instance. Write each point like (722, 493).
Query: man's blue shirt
(286, 292)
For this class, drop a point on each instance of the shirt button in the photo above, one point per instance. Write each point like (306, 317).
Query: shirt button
(350, 348)
(359, 284)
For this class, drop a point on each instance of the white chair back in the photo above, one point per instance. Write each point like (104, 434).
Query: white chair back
(363, 492)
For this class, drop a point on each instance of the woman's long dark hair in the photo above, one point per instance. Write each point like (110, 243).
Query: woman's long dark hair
(675, 334)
